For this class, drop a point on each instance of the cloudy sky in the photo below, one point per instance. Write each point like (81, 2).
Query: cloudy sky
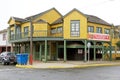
(109, 10)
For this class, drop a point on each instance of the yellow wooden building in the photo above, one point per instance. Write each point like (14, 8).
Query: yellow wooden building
(58, 37)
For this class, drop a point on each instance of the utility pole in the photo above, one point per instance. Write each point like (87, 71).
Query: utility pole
(31, 43)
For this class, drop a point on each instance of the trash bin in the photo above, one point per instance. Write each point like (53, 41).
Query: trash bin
(22, 58)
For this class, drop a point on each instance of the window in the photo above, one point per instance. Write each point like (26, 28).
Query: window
(53, 31)
(90, 29)
(75, 28)
(59, 29)
(11, 34)
(26, 31)
(18, 32)
(4, 36)
(98, 30)
(107, 31)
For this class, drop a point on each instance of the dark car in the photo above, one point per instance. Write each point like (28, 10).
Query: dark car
(7, 58)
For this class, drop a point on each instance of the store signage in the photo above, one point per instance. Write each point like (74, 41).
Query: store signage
(97, 36)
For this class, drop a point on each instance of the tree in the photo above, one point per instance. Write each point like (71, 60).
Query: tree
(118, 44)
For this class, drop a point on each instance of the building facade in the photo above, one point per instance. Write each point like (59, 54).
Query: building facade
(4, 44)
(57, 37)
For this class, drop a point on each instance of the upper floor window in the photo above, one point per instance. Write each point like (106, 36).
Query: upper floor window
(107, 31)
(53, 31)
(26, 31)
(98, 30)
(90, 29)
(59, 29)
(4, 36)
(11, 34)
(75, 28)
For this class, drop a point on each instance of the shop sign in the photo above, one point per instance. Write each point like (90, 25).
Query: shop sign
(97, 36)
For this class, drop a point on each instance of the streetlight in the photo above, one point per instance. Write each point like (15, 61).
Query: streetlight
(88, 45)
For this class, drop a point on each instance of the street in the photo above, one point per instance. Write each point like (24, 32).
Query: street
(94, 73)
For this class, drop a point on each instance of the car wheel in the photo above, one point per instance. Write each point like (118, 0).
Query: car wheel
(15, 63)
(8, 63)
(3, 62)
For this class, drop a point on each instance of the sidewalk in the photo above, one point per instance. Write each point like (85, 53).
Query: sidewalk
(69, 64)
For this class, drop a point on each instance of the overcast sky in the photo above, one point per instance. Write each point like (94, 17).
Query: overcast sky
(109, 10)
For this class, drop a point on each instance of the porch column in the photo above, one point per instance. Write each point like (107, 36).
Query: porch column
(45, 50)
(25, 47)
(34, 51)
(94, 50)
(65, 55)
(110, 51)
(85, 49)
(40, 53)
(102, 51)
(12, 47)
(15, 31)
(56, 51)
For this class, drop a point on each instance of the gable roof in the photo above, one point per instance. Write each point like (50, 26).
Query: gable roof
(95, 19)
(74, 10)
(90, 18)
(40, 21)
(19, 19)
(40, 14)
(58, 21)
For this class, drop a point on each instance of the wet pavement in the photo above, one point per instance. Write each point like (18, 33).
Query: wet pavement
(91, 73)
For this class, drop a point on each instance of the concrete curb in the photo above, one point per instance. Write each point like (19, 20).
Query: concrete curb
(24, 66)
(61, 67)
(96, 65)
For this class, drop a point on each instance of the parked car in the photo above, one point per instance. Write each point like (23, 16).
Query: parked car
(7, 58)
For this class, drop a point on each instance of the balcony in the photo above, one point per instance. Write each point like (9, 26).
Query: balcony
(36, 34)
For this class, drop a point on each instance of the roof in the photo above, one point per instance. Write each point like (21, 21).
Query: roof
(90, 18)
(40, 21)
(2, 31)
(58, 21)
(40, 14)
(95, 19)
(19, 19)
(74, 10)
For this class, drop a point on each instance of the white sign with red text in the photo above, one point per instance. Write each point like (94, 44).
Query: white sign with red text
(97, 36)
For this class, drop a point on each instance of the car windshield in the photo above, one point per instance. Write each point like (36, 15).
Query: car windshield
(9, 54)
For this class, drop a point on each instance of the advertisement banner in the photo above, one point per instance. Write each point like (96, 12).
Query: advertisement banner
(97, 36)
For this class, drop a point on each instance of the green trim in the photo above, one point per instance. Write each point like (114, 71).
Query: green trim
(56, 51)
(62, 46)
(85, 49)
(45, 50)
(34, 52)
(65, 55)
(110, 52)
(40, 53)
(103, 53)
(94, 50)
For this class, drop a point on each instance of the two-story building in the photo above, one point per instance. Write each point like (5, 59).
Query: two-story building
(4, 44)
(58, 37)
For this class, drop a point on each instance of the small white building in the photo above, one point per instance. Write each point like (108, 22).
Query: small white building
(4, 44)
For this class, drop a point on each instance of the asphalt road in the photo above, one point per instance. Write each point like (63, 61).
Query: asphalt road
(93, 73)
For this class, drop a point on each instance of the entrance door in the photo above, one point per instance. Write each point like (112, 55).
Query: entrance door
(75, 54)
